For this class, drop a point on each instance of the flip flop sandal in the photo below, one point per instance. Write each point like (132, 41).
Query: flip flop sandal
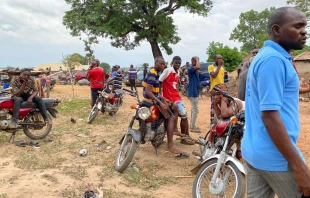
(187, 141)
(182, 155)
(195, 130)
(183, 137)
(33, 143)
(20, 143)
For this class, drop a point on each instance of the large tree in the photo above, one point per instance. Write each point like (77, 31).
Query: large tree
(74, 59)
(129, 22)
(106, 67)
(303, 5)
(231, 56)
(252, 29)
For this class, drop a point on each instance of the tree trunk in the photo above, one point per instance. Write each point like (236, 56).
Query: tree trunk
(155, 49)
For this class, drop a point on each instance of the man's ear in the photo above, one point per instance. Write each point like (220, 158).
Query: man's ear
(276, 29)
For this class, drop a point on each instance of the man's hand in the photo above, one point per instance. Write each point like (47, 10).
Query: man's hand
(302, 176)
(29, 101)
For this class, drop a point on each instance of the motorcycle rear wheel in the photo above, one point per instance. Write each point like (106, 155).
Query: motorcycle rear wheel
(125, 153)
(31, 132)
(94, 112)
(202, 183)
(184, 90)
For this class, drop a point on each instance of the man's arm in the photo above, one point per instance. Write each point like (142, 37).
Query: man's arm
(216, 72)
(150, 94)
(197, 67)
(18, 91)
(241, 87)
(280, 138)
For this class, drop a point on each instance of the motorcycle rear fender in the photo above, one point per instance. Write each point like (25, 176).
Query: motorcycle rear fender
(52, 112)
(134, 133)
(227, 159)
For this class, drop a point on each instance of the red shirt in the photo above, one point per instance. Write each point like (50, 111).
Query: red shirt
(169, 79)
(96, 74)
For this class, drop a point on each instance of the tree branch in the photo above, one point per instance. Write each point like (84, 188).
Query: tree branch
(168, 8)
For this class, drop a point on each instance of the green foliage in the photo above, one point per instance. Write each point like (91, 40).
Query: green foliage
(232, 57)
(252, 29)
(297, 52)
(106, 67)
(128, 23)
(303, 5)
(75, 59)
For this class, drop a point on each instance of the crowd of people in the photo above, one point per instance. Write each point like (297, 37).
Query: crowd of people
(268, 92)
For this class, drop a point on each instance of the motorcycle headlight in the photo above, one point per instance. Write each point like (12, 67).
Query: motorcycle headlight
(144, 113)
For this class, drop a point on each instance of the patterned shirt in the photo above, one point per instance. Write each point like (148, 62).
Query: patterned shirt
(117, 82)
(30, 85)
(152, 78)
(132, 73)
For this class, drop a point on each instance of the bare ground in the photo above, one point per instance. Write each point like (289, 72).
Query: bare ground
(56, 169)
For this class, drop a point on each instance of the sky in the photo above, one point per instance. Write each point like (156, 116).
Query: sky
(32, 33)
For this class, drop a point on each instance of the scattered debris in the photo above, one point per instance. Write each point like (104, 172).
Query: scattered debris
(109, 147)
(83, 152)
(136, 169)
(90, 194)
(101, 143)
(73, 120)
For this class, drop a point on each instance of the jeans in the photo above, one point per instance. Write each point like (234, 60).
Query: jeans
(94, 95)
(18, 100)
(194, 111)
(132, 84)
(265, 184)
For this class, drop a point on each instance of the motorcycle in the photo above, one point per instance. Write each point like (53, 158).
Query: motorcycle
(220, 172)
(151, 128)
(107, 102)
(183, 85)
(30, 118)
(67, 79)
(203, 89)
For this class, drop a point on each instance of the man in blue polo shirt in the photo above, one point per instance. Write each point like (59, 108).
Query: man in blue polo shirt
(275, 164)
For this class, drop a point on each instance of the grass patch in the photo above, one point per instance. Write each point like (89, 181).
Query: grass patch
(145, 179)
(3, 195)
(75, 172)
(72, 192)
(113, 194)
(31, 161)
(74, 107)
(50, 178)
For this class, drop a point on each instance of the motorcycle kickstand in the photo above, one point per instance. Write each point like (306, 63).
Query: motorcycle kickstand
(12, 137)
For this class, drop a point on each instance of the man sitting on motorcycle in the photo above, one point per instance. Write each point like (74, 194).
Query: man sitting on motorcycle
(151, 90)
(25, 89)
(223, 107)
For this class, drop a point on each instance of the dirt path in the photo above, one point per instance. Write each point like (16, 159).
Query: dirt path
(56, 170)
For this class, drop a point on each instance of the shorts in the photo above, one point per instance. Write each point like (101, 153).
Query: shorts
(182, 109)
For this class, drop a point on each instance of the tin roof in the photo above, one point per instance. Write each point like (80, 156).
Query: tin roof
(305, 56)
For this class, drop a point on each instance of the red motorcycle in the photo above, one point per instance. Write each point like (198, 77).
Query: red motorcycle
(151, 128)
(30, 119)
(106, 102)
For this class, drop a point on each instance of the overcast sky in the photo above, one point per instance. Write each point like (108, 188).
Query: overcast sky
(31, 33)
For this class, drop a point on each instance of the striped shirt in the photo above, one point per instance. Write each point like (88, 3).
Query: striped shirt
(132, 73)
(152, 78)
(117, 82)
(30, 85)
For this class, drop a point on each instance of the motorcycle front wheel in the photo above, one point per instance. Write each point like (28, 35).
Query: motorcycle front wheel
(230, 181)
(94, 112)
(125, 153)
(39, 131)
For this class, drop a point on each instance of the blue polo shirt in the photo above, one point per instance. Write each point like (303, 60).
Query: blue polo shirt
(193, 84)
(272, 84)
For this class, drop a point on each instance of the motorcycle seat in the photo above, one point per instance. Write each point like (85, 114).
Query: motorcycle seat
(49, 102)
(119, 92)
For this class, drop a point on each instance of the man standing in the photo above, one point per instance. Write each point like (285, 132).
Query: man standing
(193, 92)
(96, 77)
(132, 77)
(144, 71)
(151, 89)
(169, 79)
(275, 164)
(216, 76)
(25, 89)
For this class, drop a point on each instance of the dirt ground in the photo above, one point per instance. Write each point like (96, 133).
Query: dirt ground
(56, 170)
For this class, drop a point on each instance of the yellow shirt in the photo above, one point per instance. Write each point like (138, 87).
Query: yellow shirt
(219, 78)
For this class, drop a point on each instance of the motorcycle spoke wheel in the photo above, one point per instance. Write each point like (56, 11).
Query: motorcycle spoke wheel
(93, 114)
(125, 153)
(229, 183)
(36, 132)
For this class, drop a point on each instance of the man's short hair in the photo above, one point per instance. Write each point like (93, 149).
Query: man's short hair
(176, 58)
(25, 70)
(158, 58)
(277, 17)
